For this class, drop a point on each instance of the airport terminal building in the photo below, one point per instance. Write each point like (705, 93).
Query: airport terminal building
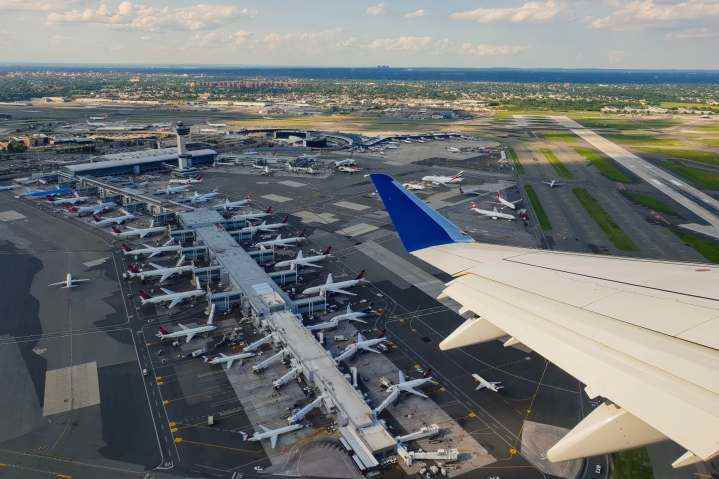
(138, 162)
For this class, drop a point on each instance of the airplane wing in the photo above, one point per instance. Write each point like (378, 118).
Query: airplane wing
(370, 349)
(228, 364)
(174, 303)
(156, 266)
(57, 284)
(183, 327)
(643, 334)
(167, 291)
(311, 265)
(83, 280)
(341, 291)
(273, 440)
(165, 276)
(416, 393)
(189, 337)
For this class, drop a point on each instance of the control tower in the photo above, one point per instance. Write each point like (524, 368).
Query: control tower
(184, 159)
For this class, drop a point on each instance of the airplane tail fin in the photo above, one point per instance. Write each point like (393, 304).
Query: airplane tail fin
(125, 248)
(286, 218)
(133, 268)
(116, 231)
(418, 225)
(268, 210)
(163, 330)
(329, 280)
(73, 209)
(96, 218)
(361, 275)
(143, 294)
(327, 250)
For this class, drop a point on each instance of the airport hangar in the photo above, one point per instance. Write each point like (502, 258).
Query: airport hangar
(138, 162)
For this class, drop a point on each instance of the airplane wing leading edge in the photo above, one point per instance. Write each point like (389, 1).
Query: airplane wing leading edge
(643, 334)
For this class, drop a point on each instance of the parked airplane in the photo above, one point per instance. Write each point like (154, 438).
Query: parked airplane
(139, 232)
(360, 343)
(330, 286)
(444, 180)
(199, 198)
(302, 260)
(186, 181)
(187, 332)
(632, 341)
(232, 205)
(152, 251)
(72, 200)
(349, 169)
(170, 297)
(300, 414)
(414, 186)
(164, 273)
(95, 209)
(494, 386)
(336, 320)
(280, 241)
(57, 191)
(227, 360)
(553, 183)
(507, 203)
(115, 220)
(402, 386)
(262, 227)
(69, 282)
(173, 190)
(453, 149)
(494, 214)
(273, 434)
(253, 216)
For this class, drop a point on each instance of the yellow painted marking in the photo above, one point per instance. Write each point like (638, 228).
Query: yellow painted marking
(173, 429)
(471, 414)
(178, 440)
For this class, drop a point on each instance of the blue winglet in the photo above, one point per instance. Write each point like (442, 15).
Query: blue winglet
(418, 225)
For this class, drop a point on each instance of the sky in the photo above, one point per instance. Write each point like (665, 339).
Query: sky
(659, 34)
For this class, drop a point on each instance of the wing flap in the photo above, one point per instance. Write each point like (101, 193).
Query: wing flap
(621, 362)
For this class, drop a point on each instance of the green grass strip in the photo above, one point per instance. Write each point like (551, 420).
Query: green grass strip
(615, 234)
(651, 203)
(604, 164)
(518, 167)
(702, 178)
(544, 222)
(707, 248)
(632, 464)
(556, 164)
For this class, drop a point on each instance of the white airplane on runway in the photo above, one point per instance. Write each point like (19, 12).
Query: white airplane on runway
(170, 297)
(186, 181)
(444, 180)
(96, 209)
(199, 198)
(301, 260)
(232, 205)
(69, 282)
(414, 186)
(164, 273)
(494, 214)
(553, 183)
(280, 241)
(402, 386)
(173, 190)
(361, 343)
(72, 200)
(139, 232)
(227, 360)
(507, 203)
(494, 386)
(273, 434)
(253, 216)
(644, 344)
(330, 286)
(115, 220)
(187, 332)
(152, 251)
(335, 320)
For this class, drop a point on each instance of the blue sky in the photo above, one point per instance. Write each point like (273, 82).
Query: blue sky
(452, 33)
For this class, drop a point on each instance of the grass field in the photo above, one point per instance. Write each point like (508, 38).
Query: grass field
(650, 202)
(561, 135)
(706, 157)
(558, 166)
(699, 177)
(615, 234)
(621, 123)
(544, 222)
(707, 248)
(632, 464)
(604, 164)
(518, 167)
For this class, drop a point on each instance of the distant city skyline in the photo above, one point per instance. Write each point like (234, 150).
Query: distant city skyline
(644, 34)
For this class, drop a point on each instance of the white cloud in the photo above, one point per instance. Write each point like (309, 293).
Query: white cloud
(534, 11)
(616, 56)
(35, 5)
(432, 46)
(376, 10)
(150, 19)
(491, 50)
(219, 39)
(416, 14)
(302, 40)
(693, 34)
(401, 44)
(639, 13)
